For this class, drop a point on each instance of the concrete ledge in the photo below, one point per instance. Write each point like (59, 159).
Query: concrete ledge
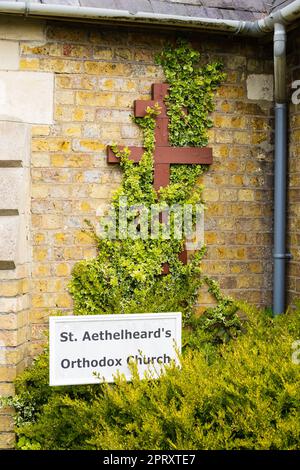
(8, 212)
(7, 265)
(10, 163)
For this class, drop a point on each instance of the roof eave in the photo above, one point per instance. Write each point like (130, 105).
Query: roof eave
(256, 28)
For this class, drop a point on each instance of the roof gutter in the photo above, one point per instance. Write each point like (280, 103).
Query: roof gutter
(286, 15)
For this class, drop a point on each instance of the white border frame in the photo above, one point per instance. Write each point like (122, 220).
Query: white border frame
(53, 321)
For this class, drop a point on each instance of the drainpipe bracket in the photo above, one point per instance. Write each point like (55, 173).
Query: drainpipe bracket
(27, 8)
(251, 28)
(282, 256)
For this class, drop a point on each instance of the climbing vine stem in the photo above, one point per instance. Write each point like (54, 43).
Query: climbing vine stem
(126, 274)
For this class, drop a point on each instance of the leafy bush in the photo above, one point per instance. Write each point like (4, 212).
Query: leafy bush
(244, 395)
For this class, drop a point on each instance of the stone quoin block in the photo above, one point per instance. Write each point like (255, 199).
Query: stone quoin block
(15, 141)
(19, 90)
(21, 29)
(9, 55)
(9, 228)
(13, 234)
(7, 440)
(11, 188)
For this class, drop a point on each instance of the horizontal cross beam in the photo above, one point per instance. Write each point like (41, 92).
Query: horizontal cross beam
(164, 154)
(168, 155)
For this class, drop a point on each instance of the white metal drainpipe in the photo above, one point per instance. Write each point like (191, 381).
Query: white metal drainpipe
(274, 22)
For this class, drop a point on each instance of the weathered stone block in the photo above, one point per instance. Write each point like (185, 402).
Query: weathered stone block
(13, 304)
(88, 145)
(6, 423)
(7, 440)
(19, 90)
(7, 374)
(211, 194)
(67, 33)
(60, 65)
(51, 144)
(89, 98)
(21, 28)
(260, 87)
(246, 195)
(9, 55)
(29, 64)
(11, 288)
(11, 188)
(13, 232)
(14, 142)
(107, 69)
(9, 227)
(6, 389)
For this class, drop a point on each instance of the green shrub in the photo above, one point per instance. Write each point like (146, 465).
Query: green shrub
(246, 396)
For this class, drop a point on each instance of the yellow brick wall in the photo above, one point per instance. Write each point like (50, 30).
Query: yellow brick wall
(14, 337)
(98, 75)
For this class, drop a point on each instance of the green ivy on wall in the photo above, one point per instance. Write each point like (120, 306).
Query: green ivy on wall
(125, 276)
(190, 102)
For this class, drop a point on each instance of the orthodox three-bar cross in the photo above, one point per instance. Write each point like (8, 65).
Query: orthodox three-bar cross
(164, 154)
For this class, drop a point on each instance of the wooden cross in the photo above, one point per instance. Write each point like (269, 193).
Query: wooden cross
(164, 154)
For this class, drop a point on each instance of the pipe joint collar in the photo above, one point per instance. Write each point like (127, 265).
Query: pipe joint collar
(279, 40)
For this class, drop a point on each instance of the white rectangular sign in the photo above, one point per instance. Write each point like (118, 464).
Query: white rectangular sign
(81, 346)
